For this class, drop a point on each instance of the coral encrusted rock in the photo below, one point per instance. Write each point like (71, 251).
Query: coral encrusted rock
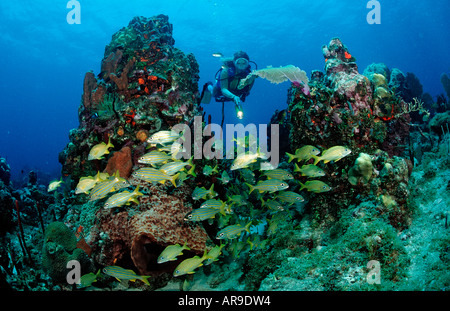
(145, 84)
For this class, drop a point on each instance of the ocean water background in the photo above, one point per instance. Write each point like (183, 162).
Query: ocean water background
(44, 59)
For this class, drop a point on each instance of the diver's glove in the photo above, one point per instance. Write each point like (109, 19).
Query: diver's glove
(237, 100)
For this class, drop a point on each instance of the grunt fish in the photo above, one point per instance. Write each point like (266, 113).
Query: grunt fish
(124, 274)
(304, 153)
(279, 174)
(163, 137)
(270, 185)
(154, 175)
(208, 170)
(201, 214)
(87, 279)
(154, 157)
(122, 198)
(171, 252)
(332, 154)
(87, 183)
(245, 159)
(214, 253)
(174, 167)
(98, 151)
(309, 170)
(54, 185)
(188, 266)
(103, 188)
(233, 231)
(315, 186)
(202, 193)
(290, 197)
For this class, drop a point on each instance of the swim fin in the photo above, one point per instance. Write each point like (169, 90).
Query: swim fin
(206, 94)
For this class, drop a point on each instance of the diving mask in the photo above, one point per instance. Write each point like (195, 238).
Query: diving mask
(241, 63)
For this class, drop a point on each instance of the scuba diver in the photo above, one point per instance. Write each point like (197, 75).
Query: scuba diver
(226, 87)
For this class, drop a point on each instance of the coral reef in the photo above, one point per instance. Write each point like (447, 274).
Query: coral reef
(374, 204)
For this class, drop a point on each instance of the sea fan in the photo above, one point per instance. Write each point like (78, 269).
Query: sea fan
(280, 74)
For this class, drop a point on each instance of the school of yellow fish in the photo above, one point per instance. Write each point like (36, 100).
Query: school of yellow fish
(265, 197)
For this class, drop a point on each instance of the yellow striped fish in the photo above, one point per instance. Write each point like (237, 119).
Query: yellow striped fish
(200, 214)
(154, 175)
(309, 170)
(233, 231)
(270, 185)
(124, 274)
(87, 183)
(87, 279)
(173, 149)
(124, 197)
(303, 153)
(163, 137)
(154, 157)
(214, 254)
(273, 205)
(290, 197)
(102, 189)
(171, 252)
(332, 154)
(315, 186)
(212, 203)
(98, 151)
(278, 173)
(188, 266)
(54, 184)
(202, 193)
(174, 167)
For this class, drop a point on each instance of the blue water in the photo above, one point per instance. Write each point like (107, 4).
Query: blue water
(44, 59)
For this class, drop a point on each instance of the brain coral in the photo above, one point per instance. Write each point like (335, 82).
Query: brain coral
(60, 246)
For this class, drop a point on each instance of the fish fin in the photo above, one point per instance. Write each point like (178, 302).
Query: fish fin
(251, 188)
(192, 171)
(316, 159)
(302, 186)
(109, 143)
(136, 191)
(133, 200)
(185, 246)
(297, 169)
(290, 156)
(247, 226)
(174, 178)
(144, 279)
